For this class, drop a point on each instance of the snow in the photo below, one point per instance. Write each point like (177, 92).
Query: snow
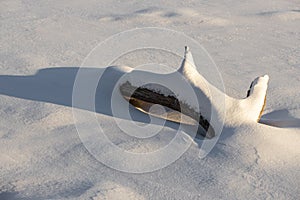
(44, 42)
(206, 98)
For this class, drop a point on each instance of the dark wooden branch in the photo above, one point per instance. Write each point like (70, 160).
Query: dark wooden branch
(137, 95)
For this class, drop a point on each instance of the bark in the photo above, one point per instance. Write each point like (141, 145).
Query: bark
(137, 95)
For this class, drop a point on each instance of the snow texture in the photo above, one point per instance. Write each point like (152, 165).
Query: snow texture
(44, 42)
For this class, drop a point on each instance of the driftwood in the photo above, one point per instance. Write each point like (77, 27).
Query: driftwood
(143, 99)
(233, 113)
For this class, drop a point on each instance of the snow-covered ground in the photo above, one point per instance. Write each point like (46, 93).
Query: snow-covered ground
(44, 42)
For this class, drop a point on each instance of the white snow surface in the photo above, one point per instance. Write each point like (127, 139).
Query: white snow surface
(44, 42)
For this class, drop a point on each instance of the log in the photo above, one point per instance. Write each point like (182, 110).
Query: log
(144, 98)
(233, 113)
